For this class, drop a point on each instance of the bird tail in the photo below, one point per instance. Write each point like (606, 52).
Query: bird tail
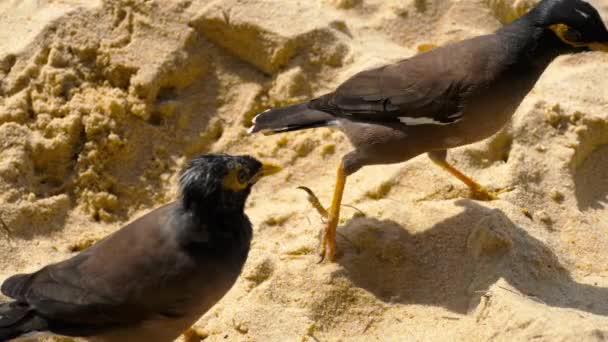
(290, 118)
(17, 319)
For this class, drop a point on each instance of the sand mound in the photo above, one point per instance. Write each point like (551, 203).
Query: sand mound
(102, 102)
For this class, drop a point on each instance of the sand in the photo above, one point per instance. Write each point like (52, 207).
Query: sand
(103, 102)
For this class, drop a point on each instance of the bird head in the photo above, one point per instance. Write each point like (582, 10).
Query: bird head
(575, 22)
(221, 181)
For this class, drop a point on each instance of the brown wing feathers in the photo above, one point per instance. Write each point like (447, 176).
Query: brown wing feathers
(424, 89)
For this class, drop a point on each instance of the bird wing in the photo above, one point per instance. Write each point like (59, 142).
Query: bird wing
(59, 293)
(427, 88)
(97, 289)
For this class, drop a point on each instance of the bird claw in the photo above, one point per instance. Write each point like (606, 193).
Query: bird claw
(321, 246)
(194, 335)
(484, 194)
(327, 249)
(321, 257)
(82, 244)
(314, 201)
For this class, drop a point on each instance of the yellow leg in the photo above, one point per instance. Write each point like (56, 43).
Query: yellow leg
(328, 242)
(479, 191)
(329, 238)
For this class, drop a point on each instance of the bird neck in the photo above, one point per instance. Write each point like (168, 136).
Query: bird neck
(212, 226)
(218, 202)
(530, 43)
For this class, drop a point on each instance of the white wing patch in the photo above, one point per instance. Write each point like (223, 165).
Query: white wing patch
(585, 15)
(409, 121)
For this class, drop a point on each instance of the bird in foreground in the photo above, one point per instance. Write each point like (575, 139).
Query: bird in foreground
(155, 277)
(447, 97)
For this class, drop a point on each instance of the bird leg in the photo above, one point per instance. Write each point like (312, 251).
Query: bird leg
(328, 242)
(314, 201)
(329, 237)
(479, 191)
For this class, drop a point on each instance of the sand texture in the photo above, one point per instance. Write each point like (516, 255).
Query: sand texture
(103, 102)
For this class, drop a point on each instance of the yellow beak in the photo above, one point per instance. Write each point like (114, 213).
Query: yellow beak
(599, 46)
(267, 170)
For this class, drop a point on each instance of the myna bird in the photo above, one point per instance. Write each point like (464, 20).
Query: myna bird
(447, 97)
(155, 277)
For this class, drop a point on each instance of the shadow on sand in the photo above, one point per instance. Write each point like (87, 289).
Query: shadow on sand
(453, 263)
(591, 181)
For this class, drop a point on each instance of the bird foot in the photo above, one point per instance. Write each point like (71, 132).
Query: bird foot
(328, 234)
(327, 242)
(426, 47)
(485, 194)
(327, 249)
(82, 244)
(324, 250)
(314, 201)
(194, 335)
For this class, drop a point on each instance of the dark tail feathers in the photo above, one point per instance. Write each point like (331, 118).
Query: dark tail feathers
(18, 319)
(290, 118)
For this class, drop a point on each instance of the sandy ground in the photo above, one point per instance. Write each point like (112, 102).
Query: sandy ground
(103, 102)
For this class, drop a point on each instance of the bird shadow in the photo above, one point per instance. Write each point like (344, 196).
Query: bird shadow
(591, 181)
(455, 262)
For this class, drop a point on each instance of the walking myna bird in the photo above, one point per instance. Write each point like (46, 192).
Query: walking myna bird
(155, 277)
(447, 97)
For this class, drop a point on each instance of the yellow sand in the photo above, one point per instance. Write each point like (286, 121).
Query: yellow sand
(103, 102)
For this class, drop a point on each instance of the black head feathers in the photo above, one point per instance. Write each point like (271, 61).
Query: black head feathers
(583, 19)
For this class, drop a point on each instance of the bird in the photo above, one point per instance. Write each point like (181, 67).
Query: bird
(153, 278)
(450, 96)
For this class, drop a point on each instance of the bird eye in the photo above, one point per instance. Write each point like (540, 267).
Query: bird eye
(573, 35)
(242, 176)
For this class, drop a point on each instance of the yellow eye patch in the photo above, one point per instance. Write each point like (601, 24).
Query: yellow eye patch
(232, 181)
(567, 34)
(572, 37)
